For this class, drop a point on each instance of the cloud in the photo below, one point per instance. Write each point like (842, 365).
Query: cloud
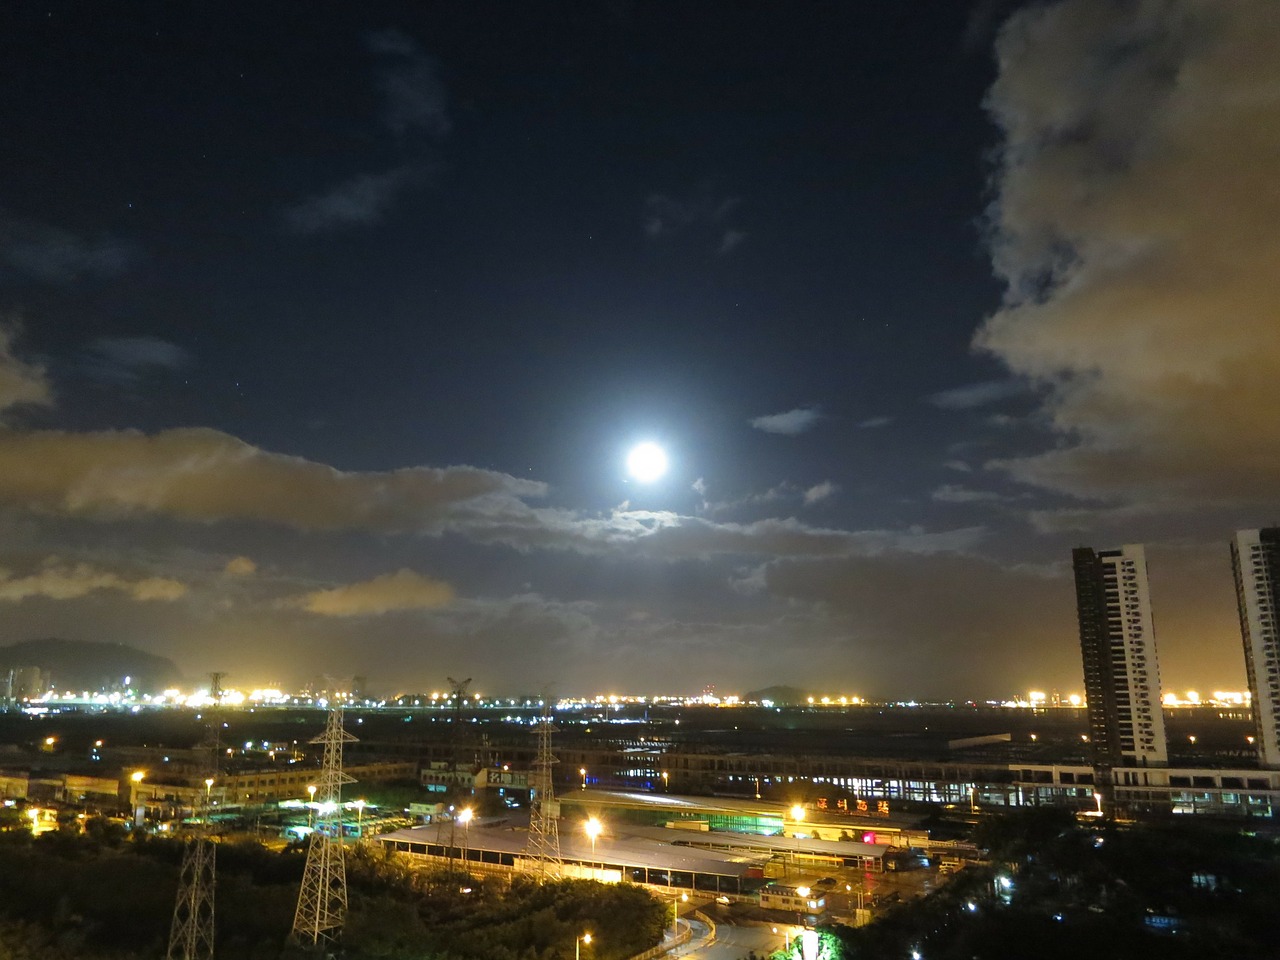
(125, 359)
(977, 394)
(240, 567)
(731, 240)
(61, 582)
(665, 216)
(410, 85)
(1134, 227)
(20, 382)
(790, 423)
(874, 423)
(205, 475)
(950, 493)
(964, 626)
(958, 465)
(362, 200)
(402, 590)
(819, 492)
(50, 254)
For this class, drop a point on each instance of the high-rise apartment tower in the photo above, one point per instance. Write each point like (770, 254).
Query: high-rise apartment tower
(1118, 646)
(1255, 559)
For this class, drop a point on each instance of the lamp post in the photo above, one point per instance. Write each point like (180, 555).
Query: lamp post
(675, 911)
(666, 782)
(139, 807)
(359, 804)
(797, 814)
(311, 807)
(208, 800)
(465, 815)
(577, 945)
(593, 828)
(583, 772)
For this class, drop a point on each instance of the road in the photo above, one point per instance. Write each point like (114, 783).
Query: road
(731, 943)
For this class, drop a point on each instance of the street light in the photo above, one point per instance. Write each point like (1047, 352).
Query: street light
(675, 911)
(208, 799)
(593, 828)
(583, 772)
(139, 806)
(311, 807)
(666, 782)
(359, 804)
(577, 945)
(465, 815)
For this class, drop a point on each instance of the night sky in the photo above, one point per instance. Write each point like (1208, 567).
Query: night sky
(326, 329)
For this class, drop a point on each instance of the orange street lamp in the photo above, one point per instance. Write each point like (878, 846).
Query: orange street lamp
(593, 827)
(583, 772)
(577, 945)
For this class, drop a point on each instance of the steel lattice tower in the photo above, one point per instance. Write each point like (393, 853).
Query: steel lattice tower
(544, 811)
(191, 931)
(322, 899)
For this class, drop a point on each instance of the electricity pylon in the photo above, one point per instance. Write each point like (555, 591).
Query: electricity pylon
(544, 811)
(322, 898)
(458, 689)
(191, 931)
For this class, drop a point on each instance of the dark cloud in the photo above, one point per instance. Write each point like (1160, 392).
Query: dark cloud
(977, 394)
(39, 251)
(126, 359)
(665, 216)
(360, 201)
(20, 382)
(409, 81)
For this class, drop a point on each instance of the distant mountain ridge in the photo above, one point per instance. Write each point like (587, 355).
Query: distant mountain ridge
(80, 665)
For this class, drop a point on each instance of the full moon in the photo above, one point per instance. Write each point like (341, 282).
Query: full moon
(647, 462)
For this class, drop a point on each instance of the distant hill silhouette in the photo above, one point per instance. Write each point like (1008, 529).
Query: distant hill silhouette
(85, 665)
(780, 695)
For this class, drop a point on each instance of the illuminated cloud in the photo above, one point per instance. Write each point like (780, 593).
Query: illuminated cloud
(60, 582)
(1135, 228)
(663, 535)
(20, 382)
(206, 475)
(790, 423)
(402, 590)
(819, 492)
(240, 567)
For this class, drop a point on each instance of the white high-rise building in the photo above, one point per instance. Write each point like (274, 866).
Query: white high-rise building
(1118, 647)
(1255, 559)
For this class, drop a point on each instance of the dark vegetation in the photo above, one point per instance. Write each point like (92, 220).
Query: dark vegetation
(100, 895)
(1092, 890)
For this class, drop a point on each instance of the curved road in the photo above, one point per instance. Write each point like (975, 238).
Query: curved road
(730, 943)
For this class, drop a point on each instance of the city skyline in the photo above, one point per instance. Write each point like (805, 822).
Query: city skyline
(326, 338)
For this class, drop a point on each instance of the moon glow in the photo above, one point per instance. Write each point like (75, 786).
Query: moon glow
(647, 462)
